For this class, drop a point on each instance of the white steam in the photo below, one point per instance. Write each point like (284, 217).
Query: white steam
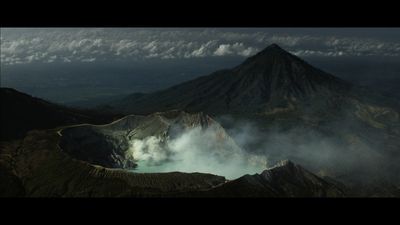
(342, 153)
(195, 150)
(347, 156)
(148, 149)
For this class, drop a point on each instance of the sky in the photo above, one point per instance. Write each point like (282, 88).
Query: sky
(74, 64)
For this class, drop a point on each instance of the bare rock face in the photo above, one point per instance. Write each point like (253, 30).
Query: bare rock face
(291, 180)
(108, 145)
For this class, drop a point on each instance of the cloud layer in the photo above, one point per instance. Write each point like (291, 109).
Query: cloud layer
(20, 46)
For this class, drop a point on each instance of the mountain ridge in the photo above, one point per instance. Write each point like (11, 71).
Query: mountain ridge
(285, 179)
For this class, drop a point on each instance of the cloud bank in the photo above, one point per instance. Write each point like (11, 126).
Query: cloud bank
(21, 46)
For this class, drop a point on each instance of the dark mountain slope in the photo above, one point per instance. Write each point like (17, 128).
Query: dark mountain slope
(286, 179)
(267, 80)
(21, 112)
(270, 82)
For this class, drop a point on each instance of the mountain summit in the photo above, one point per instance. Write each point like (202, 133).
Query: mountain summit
(271, 78)
(281, 74)
(273, 50)
(271, 55)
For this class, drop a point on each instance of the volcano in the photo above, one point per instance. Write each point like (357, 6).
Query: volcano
(271, 79)
(279, 91)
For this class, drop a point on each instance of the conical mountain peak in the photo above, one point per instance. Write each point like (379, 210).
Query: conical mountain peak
(273, 50)
(261, 83)
(272, 54)
(273, 47)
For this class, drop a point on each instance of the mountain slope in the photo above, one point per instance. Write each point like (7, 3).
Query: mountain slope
(268, 83)
(266, 80)
(21, 112)
(286, 179)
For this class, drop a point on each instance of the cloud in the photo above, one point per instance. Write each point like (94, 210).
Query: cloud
(223, 49)
(79, 45)
(318, 53)
(89, 60)
(51, 59)
(204, 49)
(235, 49)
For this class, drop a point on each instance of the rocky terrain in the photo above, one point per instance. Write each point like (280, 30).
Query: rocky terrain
(37, 167)
(285, 179)
(108, 145)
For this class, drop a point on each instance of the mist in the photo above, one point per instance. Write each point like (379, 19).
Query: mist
(246, 147)
(346, 157)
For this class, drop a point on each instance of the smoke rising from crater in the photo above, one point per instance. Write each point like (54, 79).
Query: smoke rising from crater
(249, 149)
(337, 152)
(195, 150)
